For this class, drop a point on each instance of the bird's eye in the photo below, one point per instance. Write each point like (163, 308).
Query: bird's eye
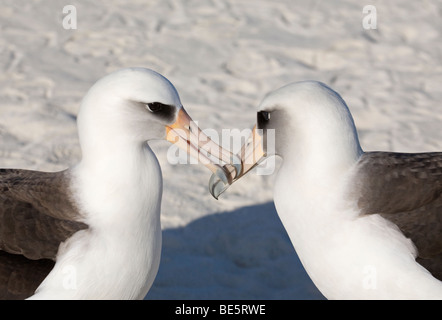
(263, 119)
(155, 106)
(265, 115)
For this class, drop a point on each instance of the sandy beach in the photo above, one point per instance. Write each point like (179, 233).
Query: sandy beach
(222, 56)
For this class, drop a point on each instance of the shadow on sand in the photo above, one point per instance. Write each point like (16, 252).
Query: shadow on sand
(242, 254)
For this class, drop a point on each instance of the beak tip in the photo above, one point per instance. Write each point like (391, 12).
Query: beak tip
(213, 193)
(217, 186)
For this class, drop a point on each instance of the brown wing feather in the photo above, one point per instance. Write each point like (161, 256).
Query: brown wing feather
(36, 215)
(36, 212)
(407, 190)
(20, 277)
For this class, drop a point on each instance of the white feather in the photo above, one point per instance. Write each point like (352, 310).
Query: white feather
(118, 188)
(348, 256)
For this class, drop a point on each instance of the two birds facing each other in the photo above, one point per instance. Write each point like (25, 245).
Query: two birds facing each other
(344, 210)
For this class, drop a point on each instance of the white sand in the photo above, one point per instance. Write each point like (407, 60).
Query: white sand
(222, 56)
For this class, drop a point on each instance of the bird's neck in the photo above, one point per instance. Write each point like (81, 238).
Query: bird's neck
(313, 173)
(308, 197)
(119, 195)
(120, 185)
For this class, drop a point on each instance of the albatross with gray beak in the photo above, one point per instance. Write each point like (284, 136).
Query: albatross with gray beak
(93, 231)
(365, 225)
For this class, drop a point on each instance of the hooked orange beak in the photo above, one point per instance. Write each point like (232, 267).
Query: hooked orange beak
(188, 136)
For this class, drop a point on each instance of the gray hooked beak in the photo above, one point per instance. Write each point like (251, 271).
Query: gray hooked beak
(251, 154)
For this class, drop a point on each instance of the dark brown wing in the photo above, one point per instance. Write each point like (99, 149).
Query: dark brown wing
(37, 213)
(407, 190)
(20, 277)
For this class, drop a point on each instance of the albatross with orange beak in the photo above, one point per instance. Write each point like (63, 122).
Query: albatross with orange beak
(93, 231)
(365, 225)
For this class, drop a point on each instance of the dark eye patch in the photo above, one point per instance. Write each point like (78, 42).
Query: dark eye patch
(163, 111)
(155, 106)
(263, 118)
